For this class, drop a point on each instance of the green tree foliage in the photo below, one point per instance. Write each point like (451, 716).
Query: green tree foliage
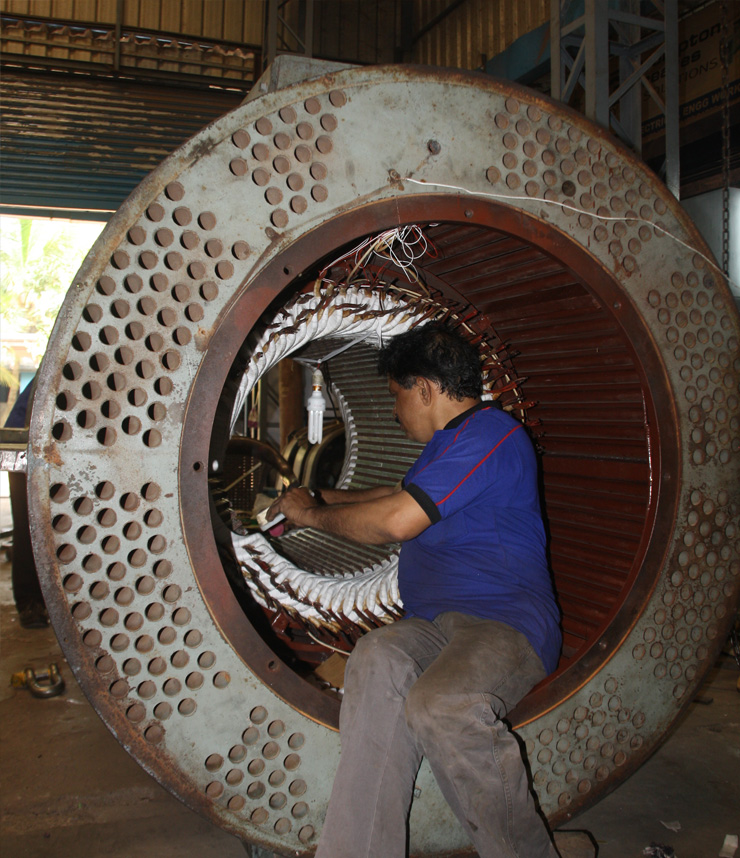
(38, 259)
(37, 268)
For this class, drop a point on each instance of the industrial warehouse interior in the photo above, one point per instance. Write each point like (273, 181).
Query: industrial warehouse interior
(215, 215)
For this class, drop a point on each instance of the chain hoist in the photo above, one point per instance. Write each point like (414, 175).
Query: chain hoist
(725, 61)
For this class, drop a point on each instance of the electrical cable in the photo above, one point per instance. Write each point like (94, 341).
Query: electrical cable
(327, 645)
(624, 218)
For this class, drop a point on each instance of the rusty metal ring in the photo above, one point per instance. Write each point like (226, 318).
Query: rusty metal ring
(120, 430)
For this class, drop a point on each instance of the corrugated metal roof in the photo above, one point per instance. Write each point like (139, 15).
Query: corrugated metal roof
(84, 144)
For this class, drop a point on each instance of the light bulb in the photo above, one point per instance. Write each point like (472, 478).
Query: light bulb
(316, 406)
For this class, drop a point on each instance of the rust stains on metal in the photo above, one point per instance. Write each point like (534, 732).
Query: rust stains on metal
(51, 454)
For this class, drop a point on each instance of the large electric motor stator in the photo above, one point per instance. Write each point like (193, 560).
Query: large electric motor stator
(602, 319)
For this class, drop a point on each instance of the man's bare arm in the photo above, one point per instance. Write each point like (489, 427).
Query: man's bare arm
(392, 517)
(332, 496)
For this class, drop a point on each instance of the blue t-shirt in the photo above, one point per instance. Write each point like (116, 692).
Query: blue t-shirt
(484, 553)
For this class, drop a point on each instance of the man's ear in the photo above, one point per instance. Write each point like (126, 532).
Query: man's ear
(425, 390)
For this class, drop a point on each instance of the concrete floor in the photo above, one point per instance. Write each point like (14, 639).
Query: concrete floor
(68, 788)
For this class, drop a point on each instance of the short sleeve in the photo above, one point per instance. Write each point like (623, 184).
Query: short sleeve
(460, 470)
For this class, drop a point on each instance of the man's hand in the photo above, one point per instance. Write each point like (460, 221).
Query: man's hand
(293, 505)
(374, 516)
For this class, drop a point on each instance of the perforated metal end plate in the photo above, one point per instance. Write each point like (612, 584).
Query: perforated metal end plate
(118, 460)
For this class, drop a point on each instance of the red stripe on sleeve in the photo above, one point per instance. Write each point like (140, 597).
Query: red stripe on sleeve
(473, 470)
(452, 442)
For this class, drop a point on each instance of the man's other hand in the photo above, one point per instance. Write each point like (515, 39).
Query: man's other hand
(293, 504)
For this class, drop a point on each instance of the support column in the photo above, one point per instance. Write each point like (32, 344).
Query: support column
(590, 38)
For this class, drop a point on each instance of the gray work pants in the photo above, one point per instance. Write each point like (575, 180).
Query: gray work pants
(438, 690)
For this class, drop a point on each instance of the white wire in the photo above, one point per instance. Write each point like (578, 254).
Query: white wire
(634, 218)
(399, 245)
(327, 645)
(392, 243)
(409, 240)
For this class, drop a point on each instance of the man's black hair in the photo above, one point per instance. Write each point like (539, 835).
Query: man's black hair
(435, 352)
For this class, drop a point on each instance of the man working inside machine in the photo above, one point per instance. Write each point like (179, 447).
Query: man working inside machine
(481, 627)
